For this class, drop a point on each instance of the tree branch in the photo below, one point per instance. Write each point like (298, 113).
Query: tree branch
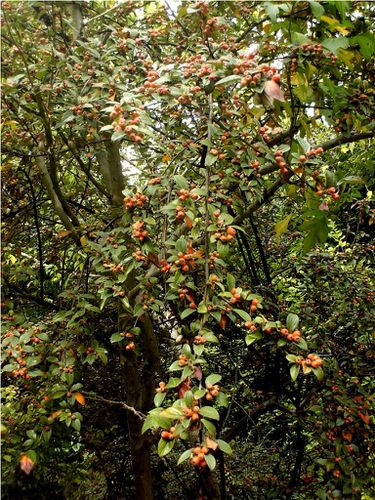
(95, 397)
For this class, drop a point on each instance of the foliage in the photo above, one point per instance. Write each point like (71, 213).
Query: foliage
(187, 240)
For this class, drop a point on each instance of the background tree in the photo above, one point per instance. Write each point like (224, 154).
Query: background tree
(187, 210)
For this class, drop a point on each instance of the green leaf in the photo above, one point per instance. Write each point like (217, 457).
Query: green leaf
(173, 382)
(60, 316)
(303, 143)
(319, 373)
(210, 460)
(32, 455)
(317, 9)
(224, 446)
(181, 245)
(214, 378)
(352, 179)
(222, 400)
(210, 159)
(198, 349)
(292, 321)
(181, 182)
(302, 344)
(209, 426)
(272, 10)
(282, 226)
(106, 128)
(171, 413)
(199, 393)
(159, 398)
(209, 412)
(116, 337)
(202, 308)
(366, 42)
(116, 136)
(187, 312)
(291, 358)
(164, 447)
(76, 424)
(31, 434)
(252, 337)
(335, 43)
(294, 371)
(231, 281)
(184, 456)
(243, 314)
(229, 79)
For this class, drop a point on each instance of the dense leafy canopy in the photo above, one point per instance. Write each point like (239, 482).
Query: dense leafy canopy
(187, 217)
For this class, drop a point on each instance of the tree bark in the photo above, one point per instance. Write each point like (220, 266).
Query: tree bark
(140, 448)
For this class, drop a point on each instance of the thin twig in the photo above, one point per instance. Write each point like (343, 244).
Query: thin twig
(95, 397)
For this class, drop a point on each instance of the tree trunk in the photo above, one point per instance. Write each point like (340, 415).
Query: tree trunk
(140, 448)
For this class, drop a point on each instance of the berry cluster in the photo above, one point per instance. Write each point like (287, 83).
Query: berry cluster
(249, 325)
(135, 201)
(213, 24)
(130, 346)
(198, 459)
(184, 194)
(155, 180)
(279, 158)
(213, 256)
(115, 268)
(216, 152)
(236, 296)
(120, 124)
(186, 260)
(266, 132)
(202, 6)
(212, 391)
(139, 256)
(312, 360)
(195, 66)
(332, 191)
(254, 305)
(245, 62)
(315, 49)
(182, 360)
(165, 266)
(199, 339)
(169, 435)
(315, 151)
(180, 213)
(183, 294)
(264, 71)
(293, 336)
(228, 235)
(138, 232)
(161, 387)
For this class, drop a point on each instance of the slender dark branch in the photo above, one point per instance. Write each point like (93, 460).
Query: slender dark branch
(95, 397)
(40, 246)
(245, 258)
(347, 139)
(262, 254)
(16, 289)
(241, 424)
(250, 257)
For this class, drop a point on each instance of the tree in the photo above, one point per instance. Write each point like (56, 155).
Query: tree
(173, 183)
